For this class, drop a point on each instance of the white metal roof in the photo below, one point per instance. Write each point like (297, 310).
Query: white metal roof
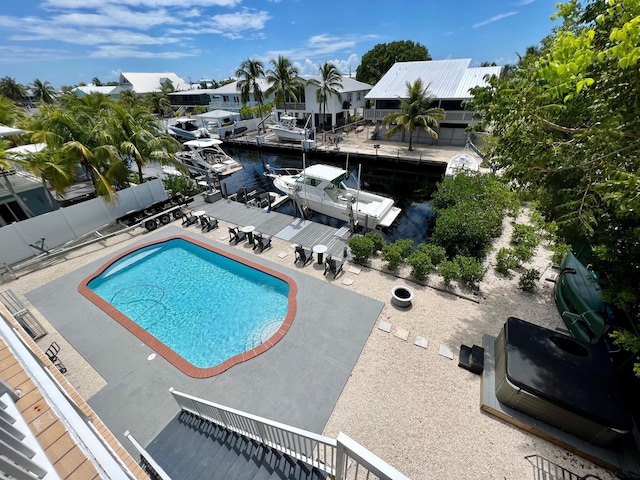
(88, 89)
(152, 82)
(8, 131)
(474, 77)
(231, 88)
(349, 84)
(445, 79)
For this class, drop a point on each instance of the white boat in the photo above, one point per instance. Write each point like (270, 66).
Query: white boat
(461, 162)
(206, 155)
(186, 129)
(321, 188)
(286, 129)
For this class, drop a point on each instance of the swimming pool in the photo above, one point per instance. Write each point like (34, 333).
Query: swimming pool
(201, 308)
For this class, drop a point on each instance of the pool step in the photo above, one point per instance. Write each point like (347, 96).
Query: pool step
(192, 448)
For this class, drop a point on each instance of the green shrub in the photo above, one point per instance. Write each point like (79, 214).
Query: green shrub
(506, 260)
(559, 251)
(362, 248)
(436, 253)
(470, 271)
(525, 235)
(180, 184)
(420, 264)
(405, 246)
(378, 240)
(448, 270)
(529, 280)
(523, 252)
(392, 253)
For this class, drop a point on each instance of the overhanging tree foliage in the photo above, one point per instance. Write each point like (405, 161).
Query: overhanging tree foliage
(381, 58)
(565, 126)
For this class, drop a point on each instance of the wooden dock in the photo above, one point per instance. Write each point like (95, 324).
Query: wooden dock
(285, 227)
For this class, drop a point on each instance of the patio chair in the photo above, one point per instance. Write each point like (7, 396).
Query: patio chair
(236, 235)
(208, 223)
(260, 241)
(333, 266)
(189, 219)
(303, 255)
(52, 354)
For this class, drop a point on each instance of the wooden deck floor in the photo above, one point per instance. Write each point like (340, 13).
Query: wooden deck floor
(282, 226)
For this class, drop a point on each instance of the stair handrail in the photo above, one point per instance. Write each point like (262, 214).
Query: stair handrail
(342, 458)
(316, 450)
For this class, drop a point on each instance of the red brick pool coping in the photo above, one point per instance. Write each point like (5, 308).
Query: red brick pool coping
(167, 353)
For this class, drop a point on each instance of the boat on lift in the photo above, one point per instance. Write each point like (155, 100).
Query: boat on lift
(321, 188)
(184, 128)
(461, 162)
(207, 155)
(286, 129)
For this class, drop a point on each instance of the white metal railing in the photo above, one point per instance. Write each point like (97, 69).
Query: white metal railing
(343, 458)
(147, 460)
(461, 116)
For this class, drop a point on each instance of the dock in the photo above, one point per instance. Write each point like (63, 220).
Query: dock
(285, 227)
(357, 145)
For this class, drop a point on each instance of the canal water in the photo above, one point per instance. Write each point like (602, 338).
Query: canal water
(410, 185)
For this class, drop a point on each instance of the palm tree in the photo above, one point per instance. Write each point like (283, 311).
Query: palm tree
(159, 102)
(249, 73)
(6, 165)
(12, 89)
(139, 138)
(283, 80)
(415, 111)
(328, 85)
(43, 91)
(75, 131)
(96, 81)
(10, 114)
(52, 169)
(129, 97)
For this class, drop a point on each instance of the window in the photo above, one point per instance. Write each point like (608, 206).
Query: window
(225, 98)
(358, 95)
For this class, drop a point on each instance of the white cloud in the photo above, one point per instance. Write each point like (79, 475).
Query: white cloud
(120, 51)
(321, 46)
(524, 2)
(495, 19)
(74, 4)
(232, 24)
(114, 16)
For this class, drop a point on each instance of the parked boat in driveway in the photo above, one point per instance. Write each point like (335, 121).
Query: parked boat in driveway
(321, 188)
(206, 155)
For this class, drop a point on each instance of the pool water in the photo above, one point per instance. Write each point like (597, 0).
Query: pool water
(203, 305)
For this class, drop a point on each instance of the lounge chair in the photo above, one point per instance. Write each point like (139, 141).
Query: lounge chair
(303, 255)
(52, 354)
(208, 223)
(189, 219)
(236, 235)
(260, 241)
(333, 266)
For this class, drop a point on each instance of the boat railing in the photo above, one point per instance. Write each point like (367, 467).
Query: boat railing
(277, 172)
(343, 458)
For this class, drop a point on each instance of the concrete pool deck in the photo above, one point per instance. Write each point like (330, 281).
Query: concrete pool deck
(298, 381)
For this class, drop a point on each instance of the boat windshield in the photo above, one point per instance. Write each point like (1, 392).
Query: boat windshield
(304, 180)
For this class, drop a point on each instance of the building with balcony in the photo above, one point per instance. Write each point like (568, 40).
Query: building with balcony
(449, 83)
(338, 108)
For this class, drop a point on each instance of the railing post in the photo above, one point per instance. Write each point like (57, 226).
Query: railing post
(341, 461)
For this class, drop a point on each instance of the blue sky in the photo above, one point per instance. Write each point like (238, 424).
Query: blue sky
(67, 42)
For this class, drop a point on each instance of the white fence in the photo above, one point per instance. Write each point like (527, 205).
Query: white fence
(342, 458)
(71, 223)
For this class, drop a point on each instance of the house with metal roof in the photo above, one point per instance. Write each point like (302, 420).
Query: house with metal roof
(84, 90)
(145, 83)
(449, 83)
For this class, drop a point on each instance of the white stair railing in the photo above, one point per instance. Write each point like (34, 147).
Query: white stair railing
(343, 458)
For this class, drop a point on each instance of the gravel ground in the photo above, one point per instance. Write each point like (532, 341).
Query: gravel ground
(409, 405)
